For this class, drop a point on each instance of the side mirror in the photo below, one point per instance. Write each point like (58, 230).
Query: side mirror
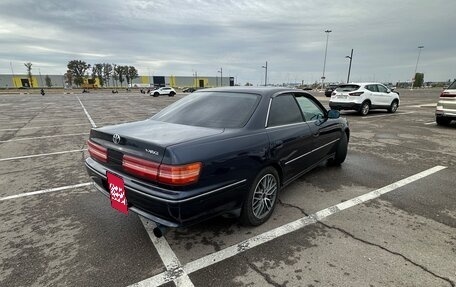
(333, 114)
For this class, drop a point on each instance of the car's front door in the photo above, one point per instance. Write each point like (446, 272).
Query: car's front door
(325, 132)
(385, 98)
(289, 135)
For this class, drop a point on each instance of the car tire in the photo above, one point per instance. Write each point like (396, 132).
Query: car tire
(171, 94)
(364, 109)
(341, 151)
(261, 198)
(441, 121)
(393, 107)
(156, 94)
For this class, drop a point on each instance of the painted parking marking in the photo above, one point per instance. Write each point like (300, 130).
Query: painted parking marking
(387, 115)
(430, 123)
(48, 190)
(42, 127)
(54, 126)
(433, 105)
(43, 137)
(174, 271)
(41, 154)
(87, 114)
(58, 120)
(245, 245)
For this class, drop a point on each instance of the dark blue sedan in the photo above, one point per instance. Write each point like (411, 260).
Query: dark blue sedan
(216, 151)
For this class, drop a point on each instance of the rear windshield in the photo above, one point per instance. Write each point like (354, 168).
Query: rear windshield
(211, 109)
(452, 86)
(347, 88)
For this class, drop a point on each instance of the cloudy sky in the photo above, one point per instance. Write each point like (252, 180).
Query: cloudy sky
(173, 37)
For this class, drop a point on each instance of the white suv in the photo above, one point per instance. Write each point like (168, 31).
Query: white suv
(363, 97)
(163, 91)
(445, 111)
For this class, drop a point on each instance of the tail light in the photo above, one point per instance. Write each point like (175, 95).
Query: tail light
(163, 173)
(447, 95)
(140, 167)
(97, 151)
(356, 94)
(179, 174)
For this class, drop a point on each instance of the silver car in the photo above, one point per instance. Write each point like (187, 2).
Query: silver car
(445, 111)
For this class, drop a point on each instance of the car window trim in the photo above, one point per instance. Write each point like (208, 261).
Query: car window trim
(286, 125)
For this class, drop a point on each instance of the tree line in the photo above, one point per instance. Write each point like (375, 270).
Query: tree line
(104, 72)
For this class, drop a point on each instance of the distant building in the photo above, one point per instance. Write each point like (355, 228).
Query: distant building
(38, 81)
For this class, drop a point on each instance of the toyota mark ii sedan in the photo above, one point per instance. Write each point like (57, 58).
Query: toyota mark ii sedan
(216, 151)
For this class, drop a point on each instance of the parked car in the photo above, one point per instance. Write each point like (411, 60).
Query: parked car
(163, 91)
(329, 89)
(216, 151)
(445, 111)
(364, 97)
(188, 90)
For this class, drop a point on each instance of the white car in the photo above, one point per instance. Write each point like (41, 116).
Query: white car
(163, 91)
(364, 97)
(445, 111)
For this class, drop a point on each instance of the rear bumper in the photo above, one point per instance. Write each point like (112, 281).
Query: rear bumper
(445, 114)
(169, 207)
(344, 106)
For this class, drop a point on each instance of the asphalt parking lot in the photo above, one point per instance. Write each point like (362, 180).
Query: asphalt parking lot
(386, 217)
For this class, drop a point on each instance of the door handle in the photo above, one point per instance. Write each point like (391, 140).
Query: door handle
(278, 144)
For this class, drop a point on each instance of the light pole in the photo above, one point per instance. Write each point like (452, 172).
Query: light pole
(416, 66)
(195, 74)
(221, 77)
(324, 63)
(349, 67)
(265, 74)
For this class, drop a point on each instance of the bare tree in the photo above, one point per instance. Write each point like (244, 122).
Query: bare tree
(48, 81)
(107, 71)
(29, 72)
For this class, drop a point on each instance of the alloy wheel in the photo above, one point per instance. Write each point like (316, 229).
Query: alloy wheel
(264, 196)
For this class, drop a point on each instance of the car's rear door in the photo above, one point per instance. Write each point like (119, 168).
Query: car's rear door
(289, 135)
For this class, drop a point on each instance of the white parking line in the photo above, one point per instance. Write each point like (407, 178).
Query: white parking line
(42, 127)
(245, 245)
(386, 115)
(41, 154)
(87, 114)
(43, 137)
(169, 258)
(430, 123)
(45, 191)
(421, 106)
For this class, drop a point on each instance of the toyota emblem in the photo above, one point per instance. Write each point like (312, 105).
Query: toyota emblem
(116, 139)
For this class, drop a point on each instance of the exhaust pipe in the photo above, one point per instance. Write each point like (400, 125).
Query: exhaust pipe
(160, 230)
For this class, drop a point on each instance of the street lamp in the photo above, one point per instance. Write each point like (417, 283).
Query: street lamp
(349, 67)
(195, 74)
(416, 66)
(265, 74)
(324, 63)
(221, 77)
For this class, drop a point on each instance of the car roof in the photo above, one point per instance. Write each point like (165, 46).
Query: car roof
(363, 83)
(264, 91)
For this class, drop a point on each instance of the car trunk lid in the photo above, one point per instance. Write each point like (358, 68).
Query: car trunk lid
(146, 139)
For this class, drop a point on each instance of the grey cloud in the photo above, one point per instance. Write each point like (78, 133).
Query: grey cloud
(179, 37)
